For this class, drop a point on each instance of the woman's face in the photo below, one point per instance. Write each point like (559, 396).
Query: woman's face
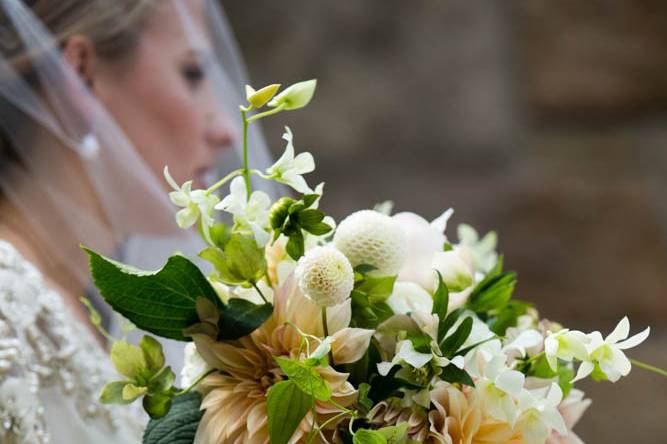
(162, 99)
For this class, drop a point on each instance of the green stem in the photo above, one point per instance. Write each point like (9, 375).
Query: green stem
(324, 424)
(260, 292)
(275, 110)
(224, 180)
(649, 367)
(325, 326)
(246, 171)
(194, 384)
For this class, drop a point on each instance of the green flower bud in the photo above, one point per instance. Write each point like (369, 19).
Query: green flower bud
(279, 212)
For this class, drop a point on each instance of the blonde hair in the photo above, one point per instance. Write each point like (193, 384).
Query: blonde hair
(112, 26)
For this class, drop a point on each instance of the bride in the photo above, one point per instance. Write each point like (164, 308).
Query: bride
(82, 83)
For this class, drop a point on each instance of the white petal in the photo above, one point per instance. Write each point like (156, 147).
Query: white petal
(350, 344)
(179, 198)
(297, 182)
(408, 354)
(621, 362)
(585, 369)
(510, 381)
(554, 420)
(554, 396)
(261, 235)
(303, 163)
(458, 361)
(550, 350)
(621, 331)
(187, 217)
(635, 340)
(170, 180)
(440, 223)
(384, 367)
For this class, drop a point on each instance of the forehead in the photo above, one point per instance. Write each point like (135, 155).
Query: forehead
(178, 25)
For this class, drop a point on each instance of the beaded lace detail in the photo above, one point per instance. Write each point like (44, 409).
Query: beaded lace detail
(48, 359)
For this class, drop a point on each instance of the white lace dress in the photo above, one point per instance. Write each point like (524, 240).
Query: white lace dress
(51, 368)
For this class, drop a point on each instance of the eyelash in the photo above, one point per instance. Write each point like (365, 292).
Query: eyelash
(193, 75)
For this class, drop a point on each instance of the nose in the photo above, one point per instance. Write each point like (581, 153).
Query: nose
(219, 132)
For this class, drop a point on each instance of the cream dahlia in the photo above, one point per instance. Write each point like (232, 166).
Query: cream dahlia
(235, 399)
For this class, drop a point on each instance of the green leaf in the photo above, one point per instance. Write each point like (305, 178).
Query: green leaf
(364, 400)
(365, 436)
(447, 323)
(161, 302)
(453, 374)
(451, 344)
(309, 199)
(318, 229)
(132, 392)
(157, 405)
(240, 262)
(162, 381)
(364, 268)
(508, 316)
(492, 294)
(295, 245)
(378, 289)
(309, 217)
(383, 387)
(440, 299)
(306, 378)
(240, 318)
(397, 434)
(128, 359)
(286, 405)
(153, 354)
(179, 425)
(112, 393)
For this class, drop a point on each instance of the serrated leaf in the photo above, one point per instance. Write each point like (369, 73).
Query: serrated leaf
(306, 378)
(286, 406)
(161, 302)
(179, 425)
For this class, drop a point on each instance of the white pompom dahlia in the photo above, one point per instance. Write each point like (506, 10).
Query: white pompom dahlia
(325, 276)
(370, 237)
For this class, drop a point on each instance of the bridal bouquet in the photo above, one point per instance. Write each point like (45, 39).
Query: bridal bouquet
(380, 329)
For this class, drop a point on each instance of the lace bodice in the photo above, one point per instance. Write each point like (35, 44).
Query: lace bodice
(51, 368)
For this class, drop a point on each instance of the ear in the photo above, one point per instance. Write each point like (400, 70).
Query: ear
(80, 53)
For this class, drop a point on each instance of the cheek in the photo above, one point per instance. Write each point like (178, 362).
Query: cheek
(160, 117)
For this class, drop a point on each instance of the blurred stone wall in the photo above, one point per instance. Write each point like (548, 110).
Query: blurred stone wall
(543, 120)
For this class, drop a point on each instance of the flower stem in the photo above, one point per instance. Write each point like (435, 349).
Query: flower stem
(260, 292)
(649, 367)
(325, 326)
(224, 180)
(246, 171)
(275, 110)
(194, 384)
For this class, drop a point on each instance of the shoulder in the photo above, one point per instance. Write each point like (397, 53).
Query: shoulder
(45, 352)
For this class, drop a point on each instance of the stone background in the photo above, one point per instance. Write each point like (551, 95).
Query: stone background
(543, 120)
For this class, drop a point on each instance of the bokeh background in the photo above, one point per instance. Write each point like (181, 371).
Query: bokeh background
(543, 120)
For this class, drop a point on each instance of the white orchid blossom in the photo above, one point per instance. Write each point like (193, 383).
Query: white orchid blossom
(406, 353)
(290, 169)
(195, 204)
(484, 255)
(251, 214)
(607, 353)
(539, 413)
(499, 387)
(523, 342)
(566, 345)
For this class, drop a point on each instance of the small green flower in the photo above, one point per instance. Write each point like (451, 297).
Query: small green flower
(145, 373)
(259, 98)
